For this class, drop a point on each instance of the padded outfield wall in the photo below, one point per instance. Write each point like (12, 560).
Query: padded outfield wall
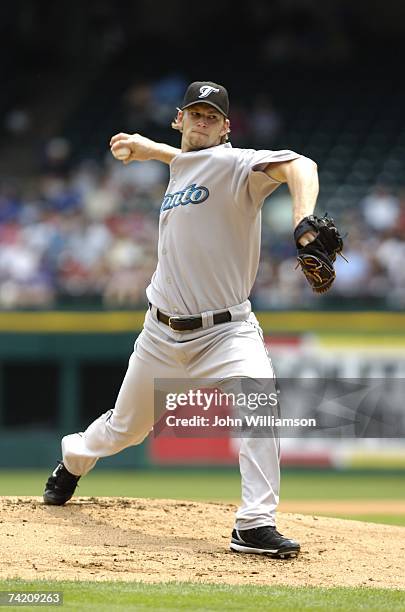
(59, 370)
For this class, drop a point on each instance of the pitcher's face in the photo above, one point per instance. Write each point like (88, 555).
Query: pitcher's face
(202, 127)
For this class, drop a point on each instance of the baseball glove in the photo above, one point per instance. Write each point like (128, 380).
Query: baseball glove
(317, 258)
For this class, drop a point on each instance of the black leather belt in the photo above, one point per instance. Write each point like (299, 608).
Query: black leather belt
(190, 323)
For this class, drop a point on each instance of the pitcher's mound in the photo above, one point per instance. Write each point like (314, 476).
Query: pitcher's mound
(158, 540)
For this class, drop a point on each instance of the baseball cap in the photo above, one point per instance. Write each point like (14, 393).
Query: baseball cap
(209, 93)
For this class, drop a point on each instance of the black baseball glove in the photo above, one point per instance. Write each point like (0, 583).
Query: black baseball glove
(317, 258)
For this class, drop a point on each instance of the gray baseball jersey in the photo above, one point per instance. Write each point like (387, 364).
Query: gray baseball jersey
(210, 228)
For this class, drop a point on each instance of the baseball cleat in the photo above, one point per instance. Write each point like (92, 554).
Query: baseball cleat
(60, 486)
(264, 541)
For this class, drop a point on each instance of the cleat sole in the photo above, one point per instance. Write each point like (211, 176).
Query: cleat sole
(273, 553)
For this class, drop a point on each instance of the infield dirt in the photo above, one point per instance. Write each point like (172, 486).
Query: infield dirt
(157, 540)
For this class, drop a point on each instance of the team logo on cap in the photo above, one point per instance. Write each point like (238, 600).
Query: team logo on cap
(206, 90)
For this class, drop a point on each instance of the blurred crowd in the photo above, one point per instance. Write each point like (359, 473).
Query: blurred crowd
(374, 238)
(83, 231)
(82, 238)
(88, 236)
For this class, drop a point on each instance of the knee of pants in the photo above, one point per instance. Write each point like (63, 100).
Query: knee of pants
(106, 436)
(121, 439)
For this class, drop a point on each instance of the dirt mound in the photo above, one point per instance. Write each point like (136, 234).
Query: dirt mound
(159, 540)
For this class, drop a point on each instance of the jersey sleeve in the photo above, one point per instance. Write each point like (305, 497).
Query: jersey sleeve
(251, 185)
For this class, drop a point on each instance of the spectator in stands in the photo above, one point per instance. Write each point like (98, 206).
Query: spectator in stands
(264, 122)
(380, 209)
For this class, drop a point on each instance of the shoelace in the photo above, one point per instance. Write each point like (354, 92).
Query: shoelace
(62, 478)
(273, 529)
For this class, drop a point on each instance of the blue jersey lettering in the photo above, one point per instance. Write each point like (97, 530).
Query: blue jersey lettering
(192, 194)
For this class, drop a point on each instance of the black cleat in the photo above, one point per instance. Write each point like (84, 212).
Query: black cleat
(264, 541)
(60, 486)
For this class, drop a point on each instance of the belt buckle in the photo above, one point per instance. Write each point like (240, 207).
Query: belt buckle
(170, 322)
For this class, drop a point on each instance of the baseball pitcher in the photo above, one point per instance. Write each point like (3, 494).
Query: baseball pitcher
(199, 323)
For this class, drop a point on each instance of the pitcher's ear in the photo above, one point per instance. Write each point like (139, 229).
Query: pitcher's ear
(227, 127)
(180, 115)
(177, 123)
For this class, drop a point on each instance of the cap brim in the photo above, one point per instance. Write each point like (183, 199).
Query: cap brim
(205, 102)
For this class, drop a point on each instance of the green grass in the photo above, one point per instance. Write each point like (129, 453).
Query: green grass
(212, 485)
(222, 485)
(196, 485)
(112, 596)
(386, 519)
